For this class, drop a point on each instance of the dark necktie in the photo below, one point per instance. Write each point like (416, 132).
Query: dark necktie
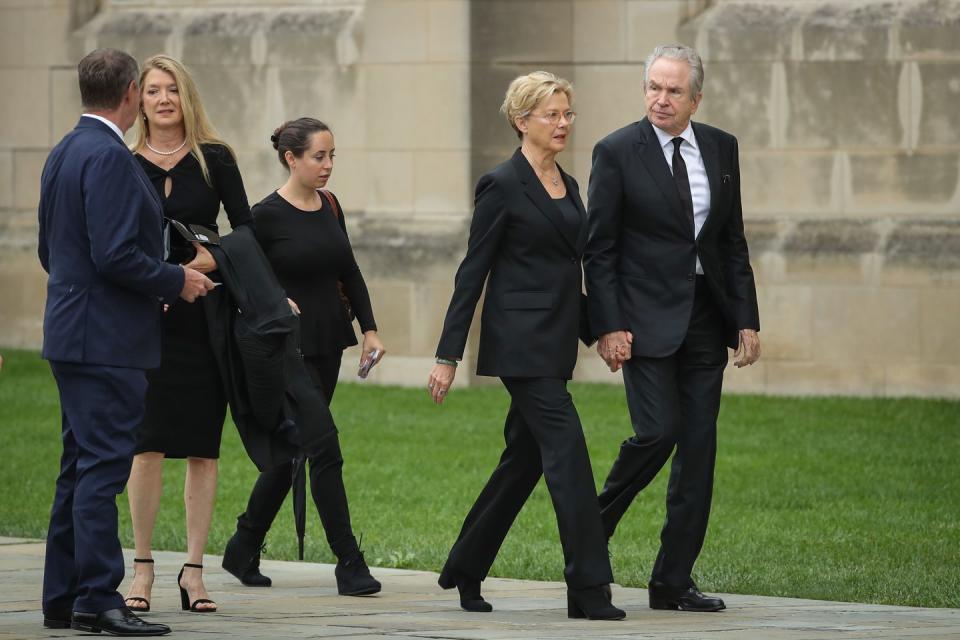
(683, 182)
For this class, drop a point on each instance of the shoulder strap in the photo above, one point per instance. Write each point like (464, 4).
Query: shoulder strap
(332, 201)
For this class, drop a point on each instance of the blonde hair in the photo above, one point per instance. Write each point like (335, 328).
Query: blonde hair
(526, 92)
(196, 125)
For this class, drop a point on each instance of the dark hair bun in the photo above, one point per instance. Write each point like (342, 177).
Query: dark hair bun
(275, 137)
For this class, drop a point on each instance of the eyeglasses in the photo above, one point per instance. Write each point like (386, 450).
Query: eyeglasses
(553, 117)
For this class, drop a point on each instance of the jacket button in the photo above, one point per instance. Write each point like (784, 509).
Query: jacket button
(691, 276)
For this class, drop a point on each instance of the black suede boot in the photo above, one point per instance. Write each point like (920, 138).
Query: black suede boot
(353, 576)
(242, 559)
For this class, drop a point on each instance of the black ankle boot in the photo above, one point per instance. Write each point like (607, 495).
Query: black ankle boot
(470, 598)
(593, 603)
(353, 576)
(242, 559)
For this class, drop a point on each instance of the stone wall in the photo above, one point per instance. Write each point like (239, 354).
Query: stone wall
(845, 111)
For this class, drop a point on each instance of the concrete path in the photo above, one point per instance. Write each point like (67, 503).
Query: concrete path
(304, 604)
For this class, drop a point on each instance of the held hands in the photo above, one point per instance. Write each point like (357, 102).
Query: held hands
(195, 284)
(615, 348)
(440, 381)
(204, 262)
(748, 351)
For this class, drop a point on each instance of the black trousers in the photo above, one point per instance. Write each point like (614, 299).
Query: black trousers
(543, 437)
(673, 403)
(326, 480)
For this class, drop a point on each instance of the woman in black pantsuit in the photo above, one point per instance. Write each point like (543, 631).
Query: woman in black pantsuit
(526, 240)
(303, 234)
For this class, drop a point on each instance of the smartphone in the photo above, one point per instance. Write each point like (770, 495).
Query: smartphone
(367, 364)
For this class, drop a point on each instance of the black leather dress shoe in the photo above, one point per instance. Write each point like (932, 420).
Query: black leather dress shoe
(118, 622)
(683, 598)
(57, 619)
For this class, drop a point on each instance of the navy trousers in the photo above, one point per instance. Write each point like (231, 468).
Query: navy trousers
(101, 409)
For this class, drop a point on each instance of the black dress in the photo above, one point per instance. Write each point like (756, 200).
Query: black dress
(186, 403)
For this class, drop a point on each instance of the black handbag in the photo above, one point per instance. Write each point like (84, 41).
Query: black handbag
(178, 239)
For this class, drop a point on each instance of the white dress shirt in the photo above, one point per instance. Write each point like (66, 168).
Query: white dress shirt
(112, 126)
(696, 173)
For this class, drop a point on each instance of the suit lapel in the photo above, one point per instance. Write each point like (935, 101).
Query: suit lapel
(711, 162)
(540, 198)
(651, 154)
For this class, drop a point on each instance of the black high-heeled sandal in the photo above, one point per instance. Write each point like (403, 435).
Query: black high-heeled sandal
(146, 602)
(185, 603)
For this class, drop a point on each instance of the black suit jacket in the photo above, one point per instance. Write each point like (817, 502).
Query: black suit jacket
(531, 312)
(640, 260)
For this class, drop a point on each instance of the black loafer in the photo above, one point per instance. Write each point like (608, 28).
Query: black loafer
(683, 598)
(118, 622)
(57, 619)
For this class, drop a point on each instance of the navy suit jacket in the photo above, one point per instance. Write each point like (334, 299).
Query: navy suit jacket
(101, 242)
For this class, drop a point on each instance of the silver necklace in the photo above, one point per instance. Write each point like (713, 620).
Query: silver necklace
(555, 181)
(169, 153)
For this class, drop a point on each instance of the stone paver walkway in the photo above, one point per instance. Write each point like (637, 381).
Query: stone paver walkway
(304, 604)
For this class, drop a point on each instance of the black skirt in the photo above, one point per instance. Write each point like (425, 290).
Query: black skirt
(186, 403)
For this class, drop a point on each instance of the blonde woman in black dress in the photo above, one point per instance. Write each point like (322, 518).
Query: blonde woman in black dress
(194, 172)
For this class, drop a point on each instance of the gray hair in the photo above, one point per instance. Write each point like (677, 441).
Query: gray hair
(104, 76)
(678, 52)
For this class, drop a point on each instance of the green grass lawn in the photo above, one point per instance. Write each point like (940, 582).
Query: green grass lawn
(827, 498)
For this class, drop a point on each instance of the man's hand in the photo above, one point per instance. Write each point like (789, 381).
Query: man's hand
(615, 348)
(748, 351)
(204, 262)
(195, 284)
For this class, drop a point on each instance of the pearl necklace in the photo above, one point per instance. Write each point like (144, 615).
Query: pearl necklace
(165, 153)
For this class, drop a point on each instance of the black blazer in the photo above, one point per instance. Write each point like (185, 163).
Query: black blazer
(531, 312)
(640, 260)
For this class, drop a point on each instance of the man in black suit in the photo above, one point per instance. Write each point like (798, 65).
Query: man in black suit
(670, 286)
(100, 241)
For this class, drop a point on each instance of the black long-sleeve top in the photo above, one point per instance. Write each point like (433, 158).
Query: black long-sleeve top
(193, 201)
(310, 252)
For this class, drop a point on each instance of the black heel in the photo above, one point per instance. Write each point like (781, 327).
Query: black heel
(593, 603)
(146, 602)
(573, 611)
(185, 603)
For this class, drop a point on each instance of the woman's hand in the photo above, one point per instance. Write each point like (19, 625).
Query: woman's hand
(371, 343)
(204, 261)
(440, 381)
(293, 307)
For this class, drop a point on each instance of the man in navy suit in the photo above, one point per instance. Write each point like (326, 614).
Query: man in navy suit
(671, 287)
(101, 243)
